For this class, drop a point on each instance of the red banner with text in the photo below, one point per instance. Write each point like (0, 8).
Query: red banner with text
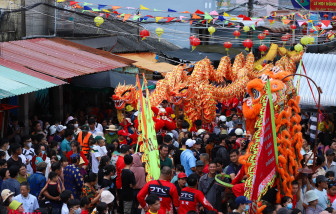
(323, 5)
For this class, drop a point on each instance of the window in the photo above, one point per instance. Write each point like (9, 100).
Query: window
(209, 5)
(206, 5)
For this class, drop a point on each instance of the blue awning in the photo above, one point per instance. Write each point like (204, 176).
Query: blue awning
(14, 83)
(322, 69)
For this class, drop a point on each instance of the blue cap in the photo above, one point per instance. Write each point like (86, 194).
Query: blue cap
(74, 155)
(242, 200)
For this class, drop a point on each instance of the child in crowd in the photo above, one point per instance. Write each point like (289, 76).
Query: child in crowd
(153, 202)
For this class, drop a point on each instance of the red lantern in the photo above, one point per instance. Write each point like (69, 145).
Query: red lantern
(262, 49)
(326, 16)
(144, 33)
(288, 35)
(311, 30)
(284, 38)
(293, 27)
(333, 18)
(261, 36)
(266, 32)
(236, 34)
(248, 44)
(194, 43)
(227, 45)
(319, 25)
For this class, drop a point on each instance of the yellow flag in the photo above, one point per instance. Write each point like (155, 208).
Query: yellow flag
(60, 0)
(233, 18)
(143, 8)
(225, 14)
(107, 11)
(158, 18)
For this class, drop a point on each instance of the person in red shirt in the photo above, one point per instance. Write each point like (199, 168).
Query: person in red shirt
(191, 197)
(122, 134)
(205, 158)
(124, 150)
(166, 191)
(331, 192)
(153, 202)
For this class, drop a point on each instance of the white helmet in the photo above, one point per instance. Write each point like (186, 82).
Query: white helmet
(239, 132)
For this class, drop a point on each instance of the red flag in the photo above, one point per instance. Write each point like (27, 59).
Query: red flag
(247, 18)
(326, 22)
(73, 2)
(170, 19)
(107, 15)
(199, 12)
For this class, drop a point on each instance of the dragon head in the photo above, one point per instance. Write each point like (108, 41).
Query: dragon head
(179, 93)
(124, 94)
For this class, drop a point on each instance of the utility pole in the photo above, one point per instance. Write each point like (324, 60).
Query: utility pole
(250, 8)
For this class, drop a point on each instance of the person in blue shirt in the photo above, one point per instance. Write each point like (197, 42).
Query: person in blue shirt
(73, 180)
(66, 145)
(37, 180)
(188, 160)
(11, 183)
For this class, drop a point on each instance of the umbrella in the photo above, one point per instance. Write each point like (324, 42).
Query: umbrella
(108, 79)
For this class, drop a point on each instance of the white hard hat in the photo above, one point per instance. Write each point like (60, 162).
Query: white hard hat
(222, 118)
(200, 131)
(239, 132)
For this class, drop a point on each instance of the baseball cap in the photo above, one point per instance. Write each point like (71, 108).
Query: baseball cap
(14, 205)
(330, 152)
(182, 175)
(60, 128)
(85, 128)
(199, 163)
(112, 128)
(190, 142)
(321, 178)
(5, 194)
(123, 133)
(238, 122)
(99, 138)
(242, 200)
(222, 118)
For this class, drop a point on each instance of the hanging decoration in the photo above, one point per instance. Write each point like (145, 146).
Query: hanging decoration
(293, 27)
(298, 47)
(236, 34)
(227, 46)
(144, 33)
(266, 32)
(159, 32)
(331, 35)
(246, 28)
(211, 30)
(262, 49)
(284, 38)
(194, 43)
(248, 44)
(98, 20)
(261, 37)
(304, 40)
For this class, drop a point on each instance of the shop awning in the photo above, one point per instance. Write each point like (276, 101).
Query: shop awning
(60, 58)
(148, 62)
(321, 68)
(108, 79)
(17, 83)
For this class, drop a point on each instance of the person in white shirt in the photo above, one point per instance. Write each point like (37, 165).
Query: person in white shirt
(102, 146)
(65, 196)
(29, 201)
(95, 154)
(4, 146)
(28, 152)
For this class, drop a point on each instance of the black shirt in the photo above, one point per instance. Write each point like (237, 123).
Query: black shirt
(108, 184)
(12, 162)
(127, 178)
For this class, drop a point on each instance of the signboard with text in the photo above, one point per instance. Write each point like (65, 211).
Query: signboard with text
(323, 5)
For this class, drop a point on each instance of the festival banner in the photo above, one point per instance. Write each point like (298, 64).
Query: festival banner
(266, 158)
(323, 5)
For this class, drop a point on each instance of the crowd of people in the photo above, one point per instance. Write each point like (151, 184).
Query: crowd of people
(89, 166)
